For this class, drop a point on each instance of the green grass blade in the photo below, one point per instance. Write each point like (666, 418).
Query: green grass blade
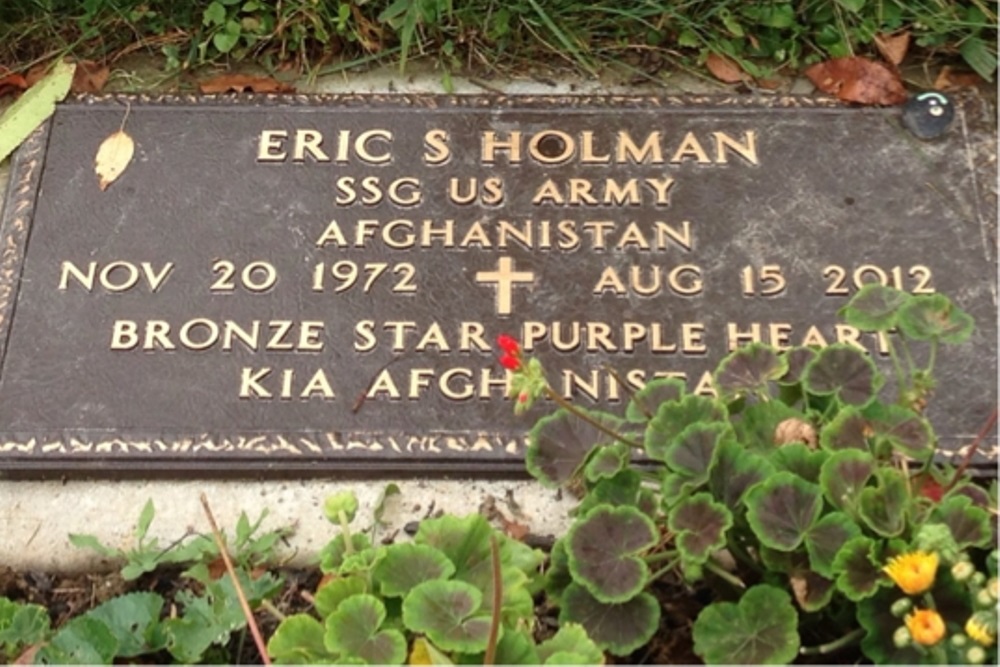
(564, 39)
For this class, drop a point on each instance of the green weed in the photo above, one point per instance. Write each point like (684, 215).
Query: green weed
(762, 35)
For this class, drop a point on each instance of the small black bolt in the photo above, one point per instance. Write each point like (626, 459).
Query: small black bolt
(928, 115)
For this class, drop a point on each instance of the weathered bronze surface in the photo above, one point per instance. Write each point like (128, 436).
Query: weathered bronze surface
(312, 284)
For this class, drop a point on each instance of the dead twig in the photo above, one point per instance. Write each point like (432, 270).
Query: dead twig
(973, 448)
(491, 642)
(247, 612)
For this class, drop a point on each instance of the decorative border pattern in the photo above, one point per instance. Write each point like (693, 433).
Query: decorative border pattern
(519, 102)
(19, 209)
(305, 444)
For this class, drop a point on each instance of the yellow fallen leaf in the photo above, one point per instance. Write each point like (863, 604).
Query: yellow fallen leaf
(113, 157)
(425, 653)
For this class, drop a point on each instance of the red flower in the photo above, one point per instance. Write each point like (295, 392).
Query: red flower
(509, 345)
(928, 487)
(511, 357)
(511, 362)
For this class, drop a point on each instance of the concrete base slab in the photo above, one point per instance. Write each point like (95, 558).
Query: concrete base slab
(38, 517)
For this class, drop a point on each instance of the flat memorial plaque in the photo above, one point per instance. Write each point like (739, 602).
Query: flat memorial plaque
(315, 284)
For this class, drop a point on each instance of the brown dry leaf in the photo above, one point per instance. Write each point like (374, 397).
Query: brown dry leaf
(949, 79)
(11, 84)
(89, 77)
(771, 84)
(858, 80)
(37, 73)
(724, 69)
(244, 83)
(217, 568)
(514, 530)
(368, 33)
(800, 588)
(893, 47)
(113, 157)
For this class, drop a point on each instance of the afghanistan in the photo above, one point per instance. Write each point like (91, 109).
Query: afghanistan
(566, 234)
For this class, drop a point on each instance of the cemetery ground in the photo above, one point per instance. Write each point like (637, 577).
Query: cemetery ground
(811, 552)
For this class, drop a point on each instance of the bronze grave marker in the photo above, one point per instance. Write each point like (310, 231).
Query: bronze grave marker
(315, 284)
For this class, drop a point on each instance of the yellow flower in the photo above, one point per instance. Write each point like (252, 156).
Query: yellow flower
(926, 626)
(913, 572)
(980, 631)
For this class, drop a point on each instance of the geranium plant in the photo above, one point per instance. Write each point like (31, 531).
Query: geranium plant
(460, 592)
(800, 493)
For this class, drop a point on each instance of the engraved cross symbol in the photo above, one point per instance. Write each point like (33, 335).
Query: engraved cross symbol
(505, 277)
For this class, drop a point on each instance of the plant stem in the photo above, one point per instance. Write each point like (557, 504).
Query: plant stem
(663, 570)
(933, 356)
(723, 574)
(897, 367)
(661, 555)
(272, 610)
(491, 641)
(345, 529)
(909, 357)
(835, 645)
(244, 605)
(566, 405)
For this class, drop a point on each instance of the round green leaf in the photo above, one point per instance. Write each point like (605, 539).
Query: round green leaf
(700, 524)
(693, 452)
(335, 591)
(607, 461)
(874, 308)
(735, 471)
(353, 632)
(602, 547)
(844, 475)
(782, 509)
(825, 539)
(333, 554)
(464, 540)
(516, 647)
(844, 372)
(969, 525)
(570, 639)
(673, 417)
(848, 430)
(557, 575)
(647, 400)
(618, 628)
(748, 370)
(761, 629)
(298, 640)
(407, 564)
(799, 459)
(559, 444)
(903, 429)
(883, 507)
(934, 316)
(622, 489)
(798, 358)
(449, 613)
(859, 572)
